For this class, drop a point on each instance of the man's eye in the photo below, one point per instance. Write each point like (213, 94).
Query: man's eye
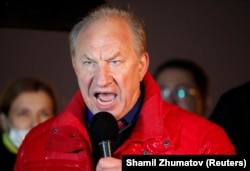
(87, 62)
(115, 62)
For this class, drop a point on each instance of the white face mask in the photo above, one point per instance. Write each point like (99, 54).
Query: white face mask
(17, 135)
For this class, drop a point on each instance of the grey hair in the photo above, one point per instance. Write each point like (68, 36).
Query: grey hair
(105, 11)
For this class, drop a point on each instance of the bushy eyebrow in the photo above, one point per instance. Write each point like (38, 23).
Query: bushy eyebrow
(115, 56)
(86, 57)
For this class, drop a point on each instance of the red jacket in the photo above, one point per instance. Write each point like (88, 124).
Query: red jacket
(62, 143)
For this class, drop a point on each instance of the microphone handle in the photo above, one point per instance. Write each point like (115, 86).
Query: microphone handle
(106, 148)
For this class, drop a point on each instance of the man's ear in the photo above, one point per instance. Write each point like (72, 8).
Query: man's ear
(73, 60)
(144, 64)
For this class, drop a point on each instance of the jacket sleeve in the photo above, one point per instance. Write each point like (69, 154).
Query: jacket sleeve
(217, 141)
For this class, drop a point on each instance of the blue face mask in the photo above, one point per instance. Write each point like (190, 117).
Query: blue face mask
(17, 135)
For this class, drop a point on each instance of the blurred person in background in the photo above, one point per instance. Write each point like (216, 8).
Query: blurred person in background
(232, 112)
(24, 103)
(184, 83)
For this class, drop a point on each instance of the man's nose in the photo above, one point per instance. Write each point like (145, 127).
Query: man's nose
(103, 76)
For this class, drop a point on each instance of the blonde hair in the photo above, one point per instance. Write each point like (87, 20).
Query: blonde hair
(105, 11)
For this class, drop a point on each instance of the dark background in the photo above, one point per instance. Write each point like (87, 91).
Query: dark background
(214, 33)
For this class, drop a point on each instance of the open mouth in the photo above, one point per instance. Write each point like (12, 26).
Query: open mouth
(105, 98)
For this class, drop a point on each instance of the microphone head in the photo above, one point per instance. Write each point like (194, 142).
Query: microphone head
(103, 126)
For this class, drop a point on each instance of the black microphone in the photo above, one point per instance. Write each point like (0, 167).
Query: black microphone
(103, 131)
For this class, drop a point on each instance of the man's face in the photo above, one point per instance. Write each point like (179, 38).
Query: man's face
(107, 68)
(178, 87)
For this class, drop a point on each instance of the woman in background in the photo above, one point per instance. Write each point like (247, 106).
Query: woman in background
(24, 103)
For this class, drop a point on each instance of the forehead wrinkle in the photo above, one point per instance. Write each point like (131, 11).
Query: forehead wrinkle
(100, 54)
(108, 49)
(101, 42)
(111, 56)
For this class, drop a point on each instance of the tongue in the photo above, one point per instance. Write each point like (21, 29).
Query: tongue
(106, 97)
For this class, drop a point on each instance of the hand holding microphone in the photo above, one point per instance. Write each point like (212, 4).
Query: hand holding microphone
(103, 131)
